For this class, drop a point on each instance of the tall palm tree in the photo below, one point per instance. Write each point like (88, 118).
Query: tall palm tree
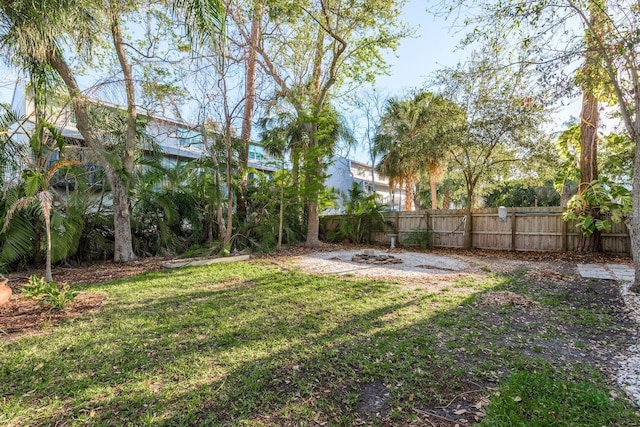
(403, 126)
(412, 136)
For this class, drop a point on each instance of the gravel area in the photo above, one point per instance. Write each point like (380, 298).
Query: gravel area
(413, 264)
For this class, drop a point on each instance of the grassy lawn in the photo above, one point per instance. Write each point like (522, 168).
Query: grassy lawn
(248, 344)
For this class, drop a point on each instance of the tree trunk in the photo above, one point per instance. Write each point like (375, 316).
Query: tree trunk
(123, 247)
(228, 163)
(589, 119)
(281, 217)
(633, 222)
(468, 223)
(132, 114)
(222, 228)
(313, 224)
(313, 215)
(249, 102)
(446, 199)
(48, 276)
(434, 196)
(408, 196)
(435, 175)
(589, 164)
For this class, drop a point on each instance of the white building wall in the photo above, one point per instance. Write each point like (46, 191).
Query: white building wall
(343, 172)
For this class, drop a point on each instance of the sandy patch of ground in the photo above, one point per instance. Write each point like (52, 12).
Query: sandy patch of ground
(417, 268)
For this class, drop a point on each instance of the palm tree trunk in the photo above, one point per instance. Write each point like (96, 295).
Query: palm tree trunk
(48, 276)
(434, 195)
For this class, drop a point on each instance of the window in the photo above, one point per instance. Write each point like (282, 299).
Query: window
(189, 138)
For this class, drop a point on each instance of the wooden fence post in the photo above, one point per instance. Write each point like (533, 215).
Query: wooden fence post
(513, 231)
(565, 238)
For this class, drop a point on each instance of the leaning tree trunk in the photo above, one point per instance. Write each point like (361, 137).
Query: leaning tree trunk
(249, 102)
(633, 222)
(123, 247)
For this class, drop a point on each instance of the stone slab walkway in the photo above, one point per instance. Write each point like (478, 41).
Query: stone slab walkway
(606, 271)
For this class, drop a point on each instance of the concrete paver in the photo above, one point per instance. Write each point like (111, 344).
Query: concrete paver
(606, 271)
(622, 272)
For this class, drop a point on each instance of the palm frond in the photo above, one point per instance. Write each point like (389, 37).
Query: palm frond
(203, 19)
(17, 241)
(59, 165)
(18, 205)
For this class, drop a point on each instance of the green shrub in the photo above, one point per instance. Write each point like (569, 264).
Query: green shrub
(35, 287)
(423, 239)
(602, 204)
(363, 214)
(58, 297)
(48, 293)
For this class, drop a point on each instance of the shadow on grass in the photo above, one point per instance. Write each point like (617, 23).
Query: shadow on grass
(248, 344)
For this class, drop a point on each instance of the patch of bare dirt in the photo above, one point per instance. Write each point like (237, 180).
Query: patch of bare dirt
(90, 273)
(23, 316)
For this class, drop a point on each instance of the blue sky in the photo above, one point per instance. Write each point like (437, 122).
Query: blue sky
(433, 48)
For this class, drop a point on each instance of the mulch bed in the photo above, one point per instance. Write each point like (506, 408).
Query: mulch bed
(23, 316)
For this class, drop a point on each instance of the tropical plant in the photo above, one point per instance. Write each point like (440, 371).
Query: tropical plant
(166, 214)
(41, 164)
(413, 136)
(57, 297)
(363, 215)
(268, 203)
(598, 207)
(43, 32)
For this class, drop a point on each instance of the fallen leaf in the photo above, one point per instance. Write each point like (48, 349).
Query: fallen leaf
(517, 399)
(460, 411)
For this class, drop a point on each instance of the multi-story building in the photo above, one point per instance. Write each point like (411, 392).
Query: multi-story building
(177, 141)
(343, 172)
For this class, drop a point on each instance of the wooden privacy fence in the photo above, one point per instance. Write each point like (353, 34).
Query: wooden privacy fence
(524, 229)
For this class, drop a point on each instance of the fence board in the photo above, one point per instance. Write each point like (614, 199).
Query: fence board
(525, 229)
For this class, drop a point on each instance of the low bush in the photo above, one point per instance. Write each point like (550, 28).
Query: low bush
(57, 297)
